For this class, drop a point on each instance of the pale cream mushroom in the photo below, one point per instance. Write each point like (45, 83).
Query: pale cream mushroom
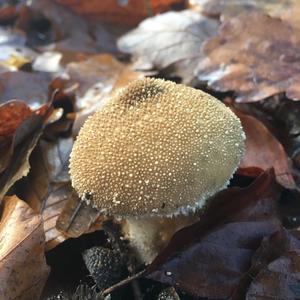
(156, 150)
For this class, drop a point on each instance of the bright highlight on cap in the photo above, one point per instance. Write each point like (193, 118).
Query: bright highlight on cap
(157, 148)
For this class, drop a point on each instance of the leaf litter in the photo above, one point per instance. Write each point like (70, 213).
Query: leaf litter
(62, 60)
(170, 41)
(254, 63)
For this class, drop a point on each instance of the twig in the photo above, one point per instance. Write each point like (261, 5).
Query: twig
(122, 283)
(75, 213)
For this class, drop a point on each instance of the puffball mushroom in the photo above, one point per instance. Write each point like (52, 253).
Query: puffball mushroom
(157, 149)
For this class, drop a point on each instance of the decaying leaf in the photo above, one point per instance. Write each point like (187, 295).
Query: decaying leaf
(8, 13)
(23, 268)
(171, 40)
(121, 11)
(263, 151)
(68, 33)
(49, 192)
(22, 128)
(209, 258)
(285, 9)
(12, 114)
(78, 217)
(252, 62)
(276, 267)
(23, 85)
(48, 185)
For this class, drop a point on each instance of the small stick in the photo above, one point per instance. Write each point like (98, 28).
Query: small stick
(75, 213)
(122, 283)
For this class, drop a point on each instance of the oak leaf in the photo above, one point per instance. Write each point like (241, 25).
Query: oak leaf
(252, 62)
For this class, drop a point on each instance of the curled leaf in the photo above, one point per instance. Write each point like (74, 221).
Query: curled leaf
(23, 268)
(171, 40)
(20, 130)
(48, 185)
(263, 151)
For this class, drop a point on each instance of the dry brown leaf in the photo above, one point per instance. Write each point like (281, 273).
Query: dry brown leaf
(8, 13)
(68, 33)
(23, 268)
(172, 40)
(276, 268)
(12, 114)
(48, 185)
(252, 62)
(128, 12)
(33, 87)
(21, 128)
(49, 192)
(263, 151)
(285, 9)
(78, 217)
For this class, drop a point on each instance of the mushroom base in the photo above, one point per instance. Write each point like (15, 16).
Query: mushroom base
(148, 236)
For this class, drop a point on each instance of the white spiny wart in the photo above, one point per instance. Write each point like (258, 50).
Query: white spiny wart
(157, 148)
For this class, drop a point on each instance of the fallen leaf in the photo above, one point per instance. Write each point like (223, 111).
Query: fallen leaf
(48, 61)
(128, 12)
(209, 258)
(21, 129)
(77, 217)
(263, 151)
(12, 114)
(252, 62)
(285, 9)
(8, 13)
(276, 268)
(23, 268)
(48, 185)
(49, 192)
(67, 33)
(171, 40)
(32, 87)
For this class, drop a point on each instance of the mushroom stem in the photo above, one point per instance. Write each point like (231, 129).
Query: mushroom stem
(149, 235)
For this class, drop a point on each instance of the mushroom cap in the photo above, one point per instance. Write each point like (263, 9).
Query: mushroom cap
(157, 148)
